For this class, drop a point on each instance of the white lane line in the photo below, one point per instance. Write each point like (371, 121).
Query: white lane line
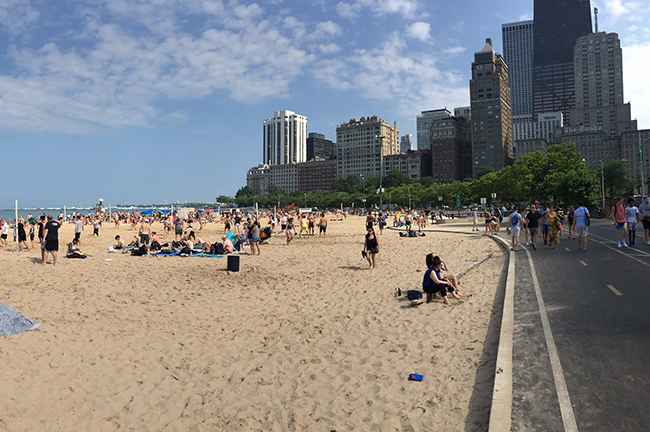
(606, 240)
(568, 417)
(501, 410)
(647, 264)
(583, 263)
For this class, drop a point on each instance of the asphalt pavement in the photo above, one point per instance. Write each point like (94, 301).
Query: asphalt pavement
(596, 304)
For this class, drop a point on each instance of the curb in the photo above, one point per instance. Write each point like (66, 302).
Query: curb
(501, 408)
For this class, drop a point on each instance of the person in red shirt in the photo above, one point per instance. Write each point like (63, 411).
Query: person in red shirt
(618, 215)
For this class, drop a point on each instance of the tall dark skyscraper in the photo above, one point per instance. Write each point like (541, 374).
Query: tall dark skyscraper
(557, 26)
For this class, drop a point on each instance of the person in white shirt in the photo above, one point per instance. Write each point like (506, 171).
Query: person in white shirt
(78, 228)
(5, 231)
(644, 215)
(632, 215)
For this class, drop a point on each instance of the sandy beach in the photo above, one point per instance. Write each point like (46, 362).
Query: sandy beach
(303, 338)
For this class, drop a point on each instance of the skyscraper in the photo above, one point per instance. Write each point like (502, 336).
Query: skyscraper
(518, 54)
(598, 66)
(360, 148)
(406, 143)
(557, 26)
(320, 148)
(450, 148)
(423, 124)
(491, 112)
(285, 138)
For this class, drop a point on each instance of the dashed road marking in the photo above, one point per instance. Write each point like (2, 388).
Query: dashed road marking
(583, 263)
(614, 290)
(567, 249)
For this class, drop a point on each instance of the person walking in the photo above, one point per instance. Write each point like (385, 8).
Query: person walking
(644, 215)
(78, 228)
(554, 227)
(51, 239)
(532, 221)
(514, 228)
(632, 216)
(618, 215)
(581, 219)
(322, 225)
(22, 234)
(571, 218)
(371, 247)
(475, 220)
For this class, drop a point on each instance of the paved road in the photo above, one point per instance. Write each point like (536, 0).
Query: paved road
(597, 304)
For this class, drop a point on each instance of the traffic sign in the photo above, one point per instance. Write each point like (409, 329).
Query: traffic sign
(483, 201)
(440, 198)
(458, 200)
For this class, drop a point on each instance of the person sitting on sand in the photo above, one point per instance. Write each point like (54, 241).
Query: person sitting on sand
(434, 281)
(74, 251)
(119, 243)
(228, 246)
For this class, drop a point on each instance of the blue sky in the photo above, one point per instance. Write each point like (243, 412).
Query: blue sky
(144, 101)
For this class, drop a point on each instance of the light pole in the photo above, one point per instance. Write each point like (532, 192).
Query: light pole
(602, 182)
(409, 188)
(641, 143)
(381, 171)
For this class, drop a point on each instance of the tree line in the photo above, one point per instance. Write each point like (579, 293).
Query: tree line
(559, 175)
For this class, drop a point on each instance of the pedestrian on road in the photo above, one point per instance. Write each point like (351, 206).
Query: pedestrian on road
(644, 214)
(571, 218)
(532, 219)
(554, 227)
(514, 227)
(581, 220)
(618, 215)
(632, 216)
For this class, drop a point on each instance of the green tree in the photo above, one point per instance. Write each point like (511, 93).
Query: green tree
(484, 170)
(616, 181)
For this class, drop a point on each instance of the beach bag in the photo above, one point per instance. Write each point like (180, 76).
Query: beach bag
(217, 249)
(413, 295)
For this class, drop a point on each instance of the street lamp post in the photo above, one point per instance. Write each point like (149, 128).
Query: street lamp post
(602, 182)
(381, 171)
(409, 188)
(641, 143)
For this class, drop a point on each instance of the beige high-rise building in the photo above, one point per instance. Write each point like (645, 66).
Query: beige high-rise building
(491, 112)
(360, 148)
(598, 68)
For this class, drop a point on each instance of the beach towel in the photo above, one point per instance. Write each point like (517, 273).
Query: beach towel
(13, 322)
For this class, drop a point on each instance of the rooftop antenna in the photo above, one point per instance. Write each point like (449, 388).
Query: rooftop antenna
(596, 15)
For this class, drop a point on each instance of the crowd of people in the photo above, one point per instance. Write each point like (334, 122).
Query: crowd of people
(552, 223)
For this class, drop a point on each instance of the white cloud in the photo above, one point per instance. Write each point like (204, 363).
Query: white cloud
(621, 8)
(118, 79)
(406, 8)
(329, 28)
(330, 48)
(178, 117)
(419, 30)
(636, 58)
(347, 10)
(454, 50)
(17, 15)
(410, 80)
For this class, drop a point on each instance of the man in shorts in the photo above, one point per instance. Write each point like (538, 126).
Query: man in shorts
(532, 222)
(322, 225)
(581, 224)
(644, 215)
(178, 228)
(620, 221)
(51, 238)
(632, 216)
(78, 227)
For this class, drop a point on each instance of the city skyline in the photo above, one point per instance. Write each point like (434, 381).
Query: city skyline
(122, 83)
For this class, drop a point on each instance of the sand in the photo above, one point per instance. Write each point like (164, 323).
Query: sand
(303, 338)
